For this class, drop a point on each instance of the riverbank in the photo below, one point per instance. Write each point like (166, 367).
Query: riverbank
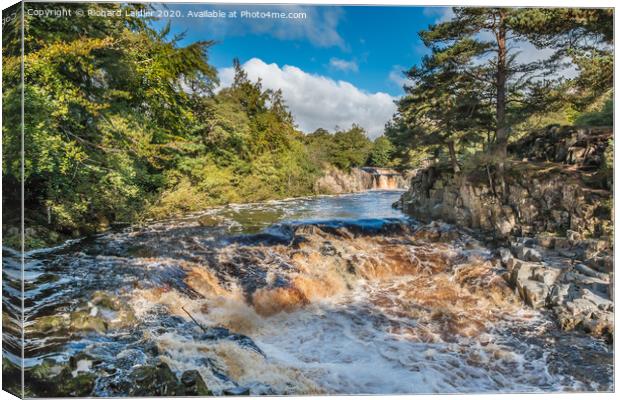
(40, 232)
(553, 220)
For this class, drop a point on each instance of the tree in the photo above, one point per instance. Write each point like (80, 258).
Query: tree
(585, 35)
(479, 41)
(442, 105)
(351, 149)
(320, 145)
(381, 153)
(106, 111)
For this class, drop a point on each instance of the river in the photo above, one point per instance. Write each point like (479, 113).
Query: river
(334, 294)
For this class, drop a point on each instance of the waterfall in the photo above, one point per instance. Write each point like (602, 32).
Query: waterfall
(384, 179)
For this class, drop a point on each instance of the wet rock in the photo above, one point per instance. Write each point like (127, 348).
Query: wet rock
(547, 274)
(50, 379)
(601, 263)
(577, 294)
(216, 369)
(81, 362)
(106, 300)
(579, 307)
(526, 253)
(51, 323)
(158, 380)
(506, 257)
(220, 333)
(112, 310)
(215, 333)
(572, 235)
(151, 349)
(562, 243)
(103, 312)
(534, 293)
(437, 232)
(194, 385)
(246, 342)
(81, 385)
(548, 242)
(328, 249)
(586, 282)
(521, 271)
(585, 270)
(599, 301)
(83, 321)
(47, 370)
(558, 294)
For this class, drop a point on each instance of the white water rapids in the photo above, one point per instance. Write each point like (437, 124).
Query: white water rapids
(320, 295)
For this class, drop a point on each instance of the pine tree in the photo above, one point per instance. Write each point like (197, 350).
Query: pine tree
(585, 35)
(479, 42)
(441, 104)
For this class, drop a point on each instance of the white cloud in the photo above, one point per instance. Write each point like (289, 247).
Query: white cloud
(397, 76)
(441, 14)
(318, 101)
(343, 65)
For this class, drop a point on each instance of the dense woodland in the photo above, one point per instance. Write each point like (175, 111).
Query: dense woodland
(123, 123)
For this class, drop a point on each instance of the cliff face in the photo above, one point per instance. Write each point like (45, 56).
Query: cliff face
(336, 181)
(568, 195)
(554, 217)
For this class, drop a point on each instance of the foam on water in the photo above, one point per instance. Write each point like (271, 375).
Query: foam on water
(319, 295)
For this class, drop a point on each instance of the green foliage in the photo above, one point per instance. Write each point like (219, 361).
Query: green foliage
(345, 149)
(472, 93)
(103, 115)
(585, 35)
(600, 116)
(352, 148)
(443, 105)
(246, 149)
(122, 124)
(382, 152)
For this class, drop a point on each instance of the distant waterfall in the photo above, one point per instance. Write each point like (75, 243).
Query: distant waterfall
(384, 178)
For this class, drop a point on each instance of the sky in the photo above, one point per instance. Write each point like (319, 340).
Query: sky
(338, 66)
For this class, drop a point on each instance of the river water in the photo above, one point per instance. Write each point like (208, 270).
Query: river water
(335, 294)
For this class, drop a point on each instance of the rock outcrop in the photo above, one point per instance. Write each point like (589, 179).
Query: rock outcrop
(568, 277)
(554, 211)
(569, 145)
(569, 195)
(539, 197)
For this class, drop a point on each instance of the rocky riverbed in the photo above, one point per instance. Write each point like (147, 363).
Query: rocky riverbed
(551, 220)
(337, 295)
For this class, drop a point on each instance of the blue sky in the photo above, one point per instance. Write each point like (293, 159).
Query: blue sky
(347, 59)
(379, 40)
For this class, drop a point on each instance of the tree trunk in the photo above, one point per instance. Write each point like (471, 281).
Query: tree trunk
(455, 164)
(500, 107)
(501, 136)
